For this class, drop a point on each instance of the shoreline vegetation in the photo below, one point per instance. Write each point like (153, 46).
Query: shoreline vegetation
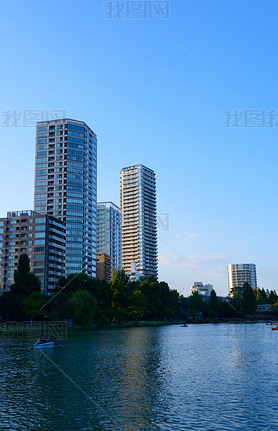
(88, 303)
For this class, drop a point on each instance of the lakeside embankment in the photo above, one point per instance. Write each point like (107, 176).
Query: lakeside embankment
(36, 328)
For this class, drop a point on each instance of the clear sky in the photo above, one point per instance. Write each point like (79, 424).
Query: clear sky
(153, 89)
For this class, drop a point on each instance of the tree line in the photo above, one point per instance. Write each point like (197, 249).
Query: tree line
(87, 300)
(241, 301)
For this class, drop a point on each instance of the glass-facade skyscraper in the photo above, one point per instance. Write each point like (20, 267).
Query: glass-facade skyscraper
(66, 187)
(139, 219)
(109, 232)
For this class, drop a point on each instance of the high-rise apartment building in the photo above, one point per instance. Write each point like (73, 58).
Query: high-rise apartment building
(139, 219)
(66, 187)
(109, 232)
(241, 273)
(42, 237)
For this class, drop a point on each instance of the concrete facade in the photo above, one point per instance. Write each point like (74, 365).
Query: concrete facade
(42, 237)
(139, 220)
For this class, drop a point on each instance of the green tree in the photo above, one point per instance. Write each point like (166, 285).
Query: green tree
(119, 278)
(258, 296)
(248, 302)
(152, 292)
(272, 297)
(263, 296)
(32, 306)
(121, 294)
(58, 307)
(213, 306)
(83, 306)
(103, 293)
(184, 302)
(10, 306)
(235, 298)
(162, 303)
(73, 282)
(196, 304)
(137, 304)
(174, 303)
(236, 292)
(227, 309)
(25, 282)
(118, 300)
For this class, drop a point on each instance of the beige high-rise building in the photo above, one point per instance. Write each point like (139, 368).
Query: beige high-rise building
(139, 219)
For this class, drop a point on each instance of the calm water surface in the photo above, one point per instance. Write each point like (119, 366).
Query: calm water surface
(204, 377)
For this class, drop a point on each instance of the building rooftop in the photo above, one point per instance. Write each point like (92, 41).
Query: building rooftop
(59, 120)
(137, 166)
(22, 213)
(109, 203)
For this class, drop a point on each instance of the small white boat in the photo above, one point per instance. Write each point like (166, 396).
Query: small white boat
(184, 325)
(43, 345)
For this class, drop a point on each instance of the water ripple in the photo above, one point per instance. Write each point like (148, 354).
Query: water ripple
(204, 377)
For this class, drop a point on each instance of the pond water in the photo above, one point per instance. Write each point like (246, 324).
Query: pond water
(203, 377)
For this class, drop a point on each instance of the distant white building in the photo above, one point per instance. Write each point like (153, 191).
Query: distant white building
(133, 274)
(241, 273)
(201, 289)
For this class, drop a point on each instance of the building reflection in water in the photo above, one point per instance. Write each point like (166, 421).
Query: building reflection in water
(141, 378)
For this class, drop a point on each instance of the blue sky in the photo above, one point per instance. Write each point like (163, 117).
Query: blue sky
(153, 90)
